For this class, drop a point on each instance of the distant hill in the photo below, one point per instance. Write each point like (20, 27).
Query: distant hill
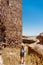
(29, 39)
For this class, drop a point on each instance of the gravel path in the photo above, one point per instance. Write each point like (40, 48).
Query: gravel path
(1, 60)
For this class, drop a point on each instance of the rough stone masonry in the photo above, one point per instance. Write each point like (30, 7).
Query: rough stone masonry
(11, 21)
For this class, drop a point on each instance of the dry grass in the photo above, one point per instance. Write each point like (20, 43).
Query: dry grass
(11, 57)
(34, 58)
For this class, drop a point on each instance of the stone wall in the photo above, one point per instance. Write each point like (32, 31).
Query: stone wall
(11, 16)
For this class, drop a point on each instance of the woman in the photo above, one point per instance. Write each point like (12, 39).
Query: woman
(22, 53)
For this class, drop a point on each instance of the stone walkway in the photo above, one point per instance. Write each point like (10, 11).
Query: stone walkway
(1, 60)
(23, 63)
(37, 47)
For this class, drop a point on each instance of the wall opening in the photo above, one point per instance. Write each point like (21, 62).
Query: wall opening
(7, 2)
(2, 32)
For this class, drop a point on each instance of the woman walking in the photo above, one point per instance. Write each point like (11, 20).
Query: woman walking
(22, 52)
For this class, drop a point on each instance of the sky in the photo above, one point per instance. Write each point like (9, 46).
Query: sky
(32, 17)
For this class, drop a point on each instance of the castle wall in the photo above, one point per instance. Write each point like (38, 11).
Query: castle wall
(11, 16)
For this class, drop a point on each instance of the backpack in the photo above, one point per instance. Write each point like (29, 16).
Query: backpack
(22, 51)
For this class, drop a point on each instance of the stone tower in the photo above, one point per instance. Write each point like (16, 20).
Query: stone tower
(11, 21)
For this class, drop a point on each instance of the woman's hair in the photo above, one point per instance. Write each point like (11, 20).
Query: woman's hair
(22, 47)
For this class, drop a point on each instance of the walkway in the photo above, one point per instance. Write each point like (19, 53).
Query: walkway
(1, 60)
(37, 47)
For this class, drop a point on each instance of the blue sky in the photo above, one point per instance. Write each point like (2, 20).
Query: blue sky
(32, 17)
